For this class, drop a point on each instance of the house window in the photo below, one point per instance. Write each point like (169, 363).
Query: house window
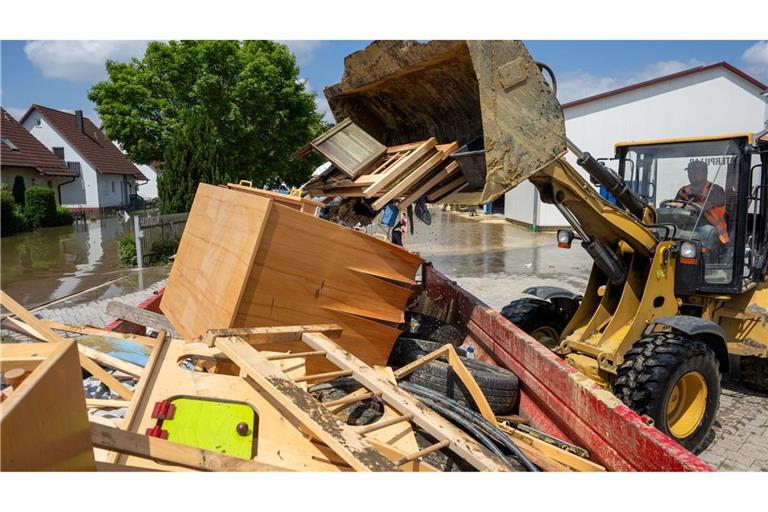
(113, 187)
(10, 144)
(59, 152)
(74, 167)
(39, 122)
(50, 183)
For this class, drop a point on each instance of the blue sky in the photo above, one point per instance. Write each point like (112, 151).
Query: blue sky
(58, 74)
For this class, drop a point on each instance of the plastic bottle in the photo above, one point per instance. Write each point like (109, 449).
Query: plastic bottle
(470, 352)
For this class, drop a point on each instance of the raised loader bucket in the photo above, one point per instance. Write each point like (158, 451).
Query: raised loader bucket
(405, 91)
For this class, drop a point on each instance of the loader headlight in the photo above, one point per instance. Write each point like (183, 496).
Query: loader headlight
(688, 252)
(564, 238)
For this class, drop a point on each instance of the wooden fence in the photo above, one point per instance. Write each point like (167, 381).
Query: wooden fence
(158, 227)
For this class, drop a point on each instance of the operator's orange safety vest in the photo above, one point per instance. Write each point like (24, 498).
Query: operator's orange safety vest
(715, 215)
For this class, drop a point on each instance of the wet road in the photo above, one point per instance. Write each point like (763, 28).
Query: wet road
(53, 263)
(496, 260)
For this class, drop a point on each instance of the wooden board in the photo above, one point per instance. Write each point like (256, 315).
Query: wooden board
(401, 166)
(214, 260)
(140, 316)
(349, 148)
(44, 422)
(303, 204)
(414, 195)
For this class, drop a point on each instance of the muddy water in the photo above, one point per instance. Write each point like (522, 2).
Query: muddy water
(496, 260)
(52, 263)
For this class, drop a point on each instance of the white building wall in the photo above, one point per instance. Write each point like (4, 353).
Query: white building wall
(81, 193)
(148, 190)
(707, 103)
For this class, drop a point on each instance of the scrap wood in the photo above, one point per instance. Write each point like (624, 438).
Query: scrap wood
(406, 404)
(95, 331)
(553, 452)
(161, 450)
(323, 425)
(271, 334)
(413, 196)
(142, 317)
(48, 335)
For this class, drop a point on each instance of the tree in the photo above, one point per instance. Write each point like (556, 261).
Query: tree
(19, 189)
(195, 154)
(249, 90)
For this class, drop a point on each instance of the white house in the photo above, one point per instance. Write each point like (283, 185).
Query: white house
(106, 177)
(707, 100)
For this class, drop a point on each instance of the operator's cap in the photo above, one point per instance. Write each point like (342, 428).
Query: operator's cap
(696, 165)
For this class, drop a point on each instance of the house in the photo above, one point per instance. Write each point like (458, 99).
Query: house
(106, 177)
(23, 155)
(715, 99)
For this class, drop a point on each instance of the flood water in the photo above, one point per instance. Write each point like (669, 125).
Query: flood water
(51, 263)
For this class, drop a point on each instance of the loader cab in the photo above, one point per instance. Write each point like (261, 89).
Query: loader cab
(709, 195)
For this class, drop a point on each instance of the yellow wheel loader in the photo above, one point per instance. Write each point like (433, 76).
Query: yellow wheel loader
(678, 292)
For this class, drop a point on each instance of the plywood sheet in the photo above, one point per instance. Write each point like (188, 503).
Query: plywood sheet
(214, 259)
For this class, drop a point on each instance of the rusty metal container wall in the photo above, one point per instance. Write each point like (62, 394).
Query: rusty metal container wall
(404, 91)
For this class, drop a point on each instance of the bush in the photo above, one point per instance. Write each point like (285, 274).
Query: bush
(162, 250)
(13, 220)
(126, 249)
(63, 217)
(40, 207)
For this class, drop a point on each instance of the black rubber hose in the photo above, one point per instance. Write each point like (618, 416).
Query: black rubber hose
(472, 416)
(467, 426)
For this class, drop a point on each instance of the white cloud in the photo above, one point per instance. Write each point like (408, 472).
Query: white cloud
(303, 50)
(579, 84)
(80, 61)
(756, 59)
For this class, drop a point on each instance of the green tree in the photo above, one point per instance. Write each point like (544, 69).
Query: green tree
(249, 90)
(195, 154)
(19, 189)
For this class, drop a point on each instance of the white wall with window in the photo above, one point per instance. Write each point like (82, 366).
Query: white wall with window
(713, 101)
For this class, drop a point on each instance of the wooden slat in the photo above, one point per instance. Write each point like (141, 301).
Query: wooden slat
(400, 167)
(384, 423)
(426, 451)
(161, 450)
(405, 403)
(97, 403)
(351, 399)
(446, 189)
(323, 376)
(431, 183)
(140, 316)
(320, 422)
(47, 334)
(412, 178)
(292, 355)
(95, 331)
(553, 452)
(271, 334)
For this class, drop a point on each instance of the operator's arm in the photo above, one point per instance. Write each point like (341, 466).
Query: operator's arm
(716, 197)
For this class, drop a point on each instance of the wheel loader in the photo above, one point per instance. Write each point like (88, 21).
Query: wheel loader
(677, 295)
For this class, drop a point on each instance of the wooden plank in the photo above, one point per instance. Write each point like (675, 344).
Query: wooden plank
(553, 452)
(44, 423)
(401, 166)
(97, 403)
(44, 331)
(108, 467)
(94, 331)
(431, 183)
(145, 382)
(295, 202)
(320, 422)
(271, 334)
(140, 316)
(449, 187)
(405, 403)
(412, 178)
(161, 450)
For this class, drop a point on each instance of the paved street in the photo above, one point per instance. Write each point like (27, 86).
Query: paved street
(496, 260)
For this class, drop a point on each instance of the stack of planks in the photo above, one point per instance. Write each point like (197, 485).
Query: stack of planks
(245, 260)
(401, 173)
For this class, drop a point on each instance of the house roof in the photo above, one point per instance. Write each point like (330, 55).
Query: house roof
(29, 151)
(91, 143)
(667, 78)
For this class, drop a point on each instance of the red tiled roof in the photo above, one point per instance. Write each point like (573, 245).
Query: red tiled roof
(29, 152)
(93, 145)
(757, 83)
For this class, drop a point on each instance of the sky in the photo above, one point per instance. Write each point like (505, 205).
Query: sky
(59, 73)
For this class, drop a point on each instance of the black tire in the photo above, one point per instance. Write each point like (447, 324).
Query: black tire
(407, 350)
(430, 328)
(541, 319)
(652, 369)
(499, 386)
(754, 373)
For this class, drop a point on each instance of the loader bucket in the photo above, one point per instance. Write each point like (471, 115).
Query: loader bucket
(405, 91)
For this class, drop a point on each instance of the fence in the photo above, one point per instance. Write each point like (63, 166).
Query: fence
(150, 229)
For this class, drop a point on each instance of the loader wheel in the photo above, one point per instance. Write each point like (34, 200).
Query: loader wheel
(541, 319)
(676, 381)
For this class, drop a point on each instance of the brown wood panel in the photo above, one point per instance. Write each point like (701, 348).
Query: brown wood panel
(44, 423)
(214, 259)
